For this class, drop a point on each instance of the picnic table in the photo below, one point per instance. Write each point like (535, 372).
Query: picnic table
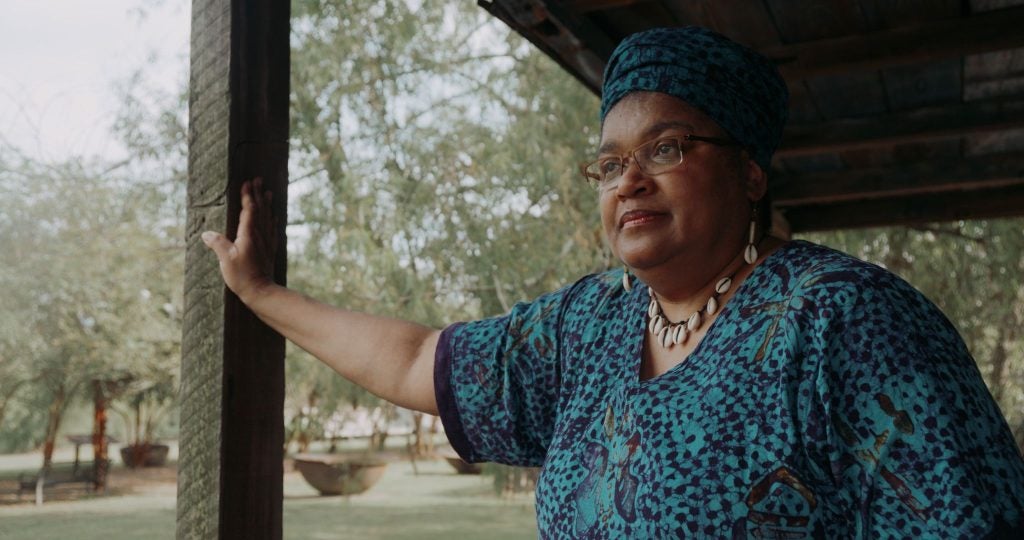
(64, 472)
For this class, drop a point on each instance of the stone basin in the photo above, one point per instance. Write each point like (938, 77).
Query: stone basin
(340, 474)
(460, 466)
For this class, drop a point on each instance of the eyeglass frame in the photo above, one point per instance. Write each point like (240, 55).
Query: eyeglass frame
(631, 155)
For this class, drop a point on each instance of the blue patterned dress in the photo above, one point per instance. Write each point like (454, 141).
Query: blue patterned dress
(829, 399)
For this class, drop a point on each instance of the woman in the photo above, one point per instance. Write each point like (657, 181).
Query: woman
(725, 384)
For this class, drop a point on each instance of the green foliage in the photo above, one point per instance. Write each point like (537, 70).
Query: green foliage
(434, 169)
(434, 178)
(91, 268)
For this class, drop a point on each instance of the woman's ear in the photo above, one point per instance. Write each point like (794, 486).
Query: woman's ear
(756, 180)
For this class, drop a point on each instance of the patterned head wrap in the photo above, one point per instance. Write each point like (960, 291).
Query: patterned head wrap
(738, 88)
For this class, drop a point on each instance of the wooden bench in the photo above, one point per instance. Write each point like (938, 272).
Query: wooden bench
(59, 473)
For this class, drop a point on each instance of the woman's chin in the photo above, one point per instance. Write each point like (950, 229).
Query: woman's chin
(642, 261)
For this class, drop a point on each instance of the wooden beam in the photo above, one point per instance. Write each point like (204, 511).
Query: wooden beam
(232, 385)
(567, 37)
(918, 125)
(953, 174)
(589, 6)
(923, 42)
(1007, 201)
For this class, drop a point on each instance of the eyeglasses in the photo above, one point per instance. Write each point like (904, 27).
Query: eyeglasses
(653, 157)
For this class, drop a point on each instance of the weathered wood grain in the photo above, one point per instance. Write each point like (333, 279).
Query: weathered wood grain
(232, 384)
(203, 320)
(800, 21)
(1004, 201)
(917, 125)
(900, 180)
(923, 42)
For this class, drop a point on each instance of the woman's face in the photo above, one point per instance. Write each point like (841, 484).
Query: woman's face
(688, 213)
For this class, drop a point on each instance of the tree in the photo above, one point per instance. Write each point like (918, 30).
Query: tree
(434, 162)
(90, 281)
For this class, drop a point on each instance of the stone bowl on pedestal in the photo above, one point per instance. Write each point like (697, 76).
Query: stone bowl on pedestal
(144, 455)
(460, 466)
(339, 474)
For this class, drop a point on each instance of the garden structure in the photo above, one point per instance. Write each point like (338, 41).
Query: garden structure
(76, 472)
(901, 113)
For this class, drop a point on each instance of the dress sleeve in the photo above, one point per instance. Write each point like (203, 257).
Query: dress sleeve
(497, 382)
(913, 438)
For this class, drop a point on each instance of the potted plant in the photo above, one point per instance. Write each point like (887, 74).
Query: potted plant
(147, 405)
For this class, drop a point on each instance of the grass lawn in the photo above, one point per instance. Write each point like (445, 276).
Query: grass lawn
(436, 503)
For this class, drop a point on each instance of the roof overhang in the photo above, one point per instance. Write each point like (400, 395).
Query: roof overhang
(900, 112)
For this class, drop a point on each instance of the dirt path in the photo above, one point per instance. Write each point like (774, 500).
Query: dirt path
(121, 482)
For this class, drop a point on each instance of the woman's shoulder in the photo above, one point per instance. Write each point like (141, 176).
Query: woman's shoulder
(813, 269)
(836, 286)
(599, 290)
(806, 259)
(586, 295)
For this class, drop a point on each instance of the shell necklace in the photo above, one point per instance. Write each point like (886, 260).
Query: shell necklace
(669, 334)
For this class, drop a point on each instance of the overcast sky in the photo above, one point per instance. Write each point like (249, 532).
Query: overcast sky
(60, 60)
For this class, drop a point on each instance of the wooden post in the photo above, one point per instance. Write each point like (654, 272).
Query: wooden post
(232, 385)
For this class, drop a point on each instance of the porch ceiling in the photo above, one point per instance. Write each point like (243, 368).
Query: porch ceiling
(900, 112)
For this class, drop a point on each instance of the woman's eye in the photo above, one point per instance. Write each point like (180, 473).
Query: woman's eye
(667, 149)
(610, 167)
(664, 148)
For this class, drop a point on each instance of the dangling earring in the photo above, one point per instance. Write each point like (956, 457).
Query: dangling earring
(626, 283)
(750, 254)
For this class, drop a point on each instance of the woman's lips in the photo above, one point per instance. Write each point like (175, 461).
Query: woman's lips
(635, 218)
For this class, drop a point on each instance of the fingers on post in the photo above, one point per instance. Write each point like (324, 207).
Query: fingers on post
(218, 243)
(256, 222)
(246, 194)
(254, 190)
(269, 228)
(245, 219)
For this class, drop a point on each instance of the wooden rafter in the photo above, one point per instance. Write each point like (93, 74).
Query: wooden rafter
(900, 180)
(576, 34)
(588, 6)
(948, 206)
(558, 32)
(948, 38)
(919, 125)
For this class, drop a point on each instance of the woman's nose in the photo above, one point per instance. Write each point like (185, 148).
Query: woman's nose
(632, 180)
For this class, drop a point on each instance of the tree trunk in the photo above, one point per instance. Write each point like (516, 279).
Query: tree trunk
(137, 438)
(431, 433)
(304, 442)
(100, 462)
(56, 414)
(377, 439)
(380, 427)
(418, 444)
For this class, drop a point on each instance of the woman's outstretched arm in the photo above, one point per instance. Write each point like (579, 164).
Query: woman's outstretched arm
(391, 358)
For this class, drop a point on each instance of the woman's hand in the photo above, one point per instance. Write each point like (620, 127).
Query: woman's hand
(247, 264)
(391, 358)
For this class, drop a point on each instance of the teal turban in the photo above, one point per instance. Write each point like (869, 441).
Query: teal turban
(738, 88)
